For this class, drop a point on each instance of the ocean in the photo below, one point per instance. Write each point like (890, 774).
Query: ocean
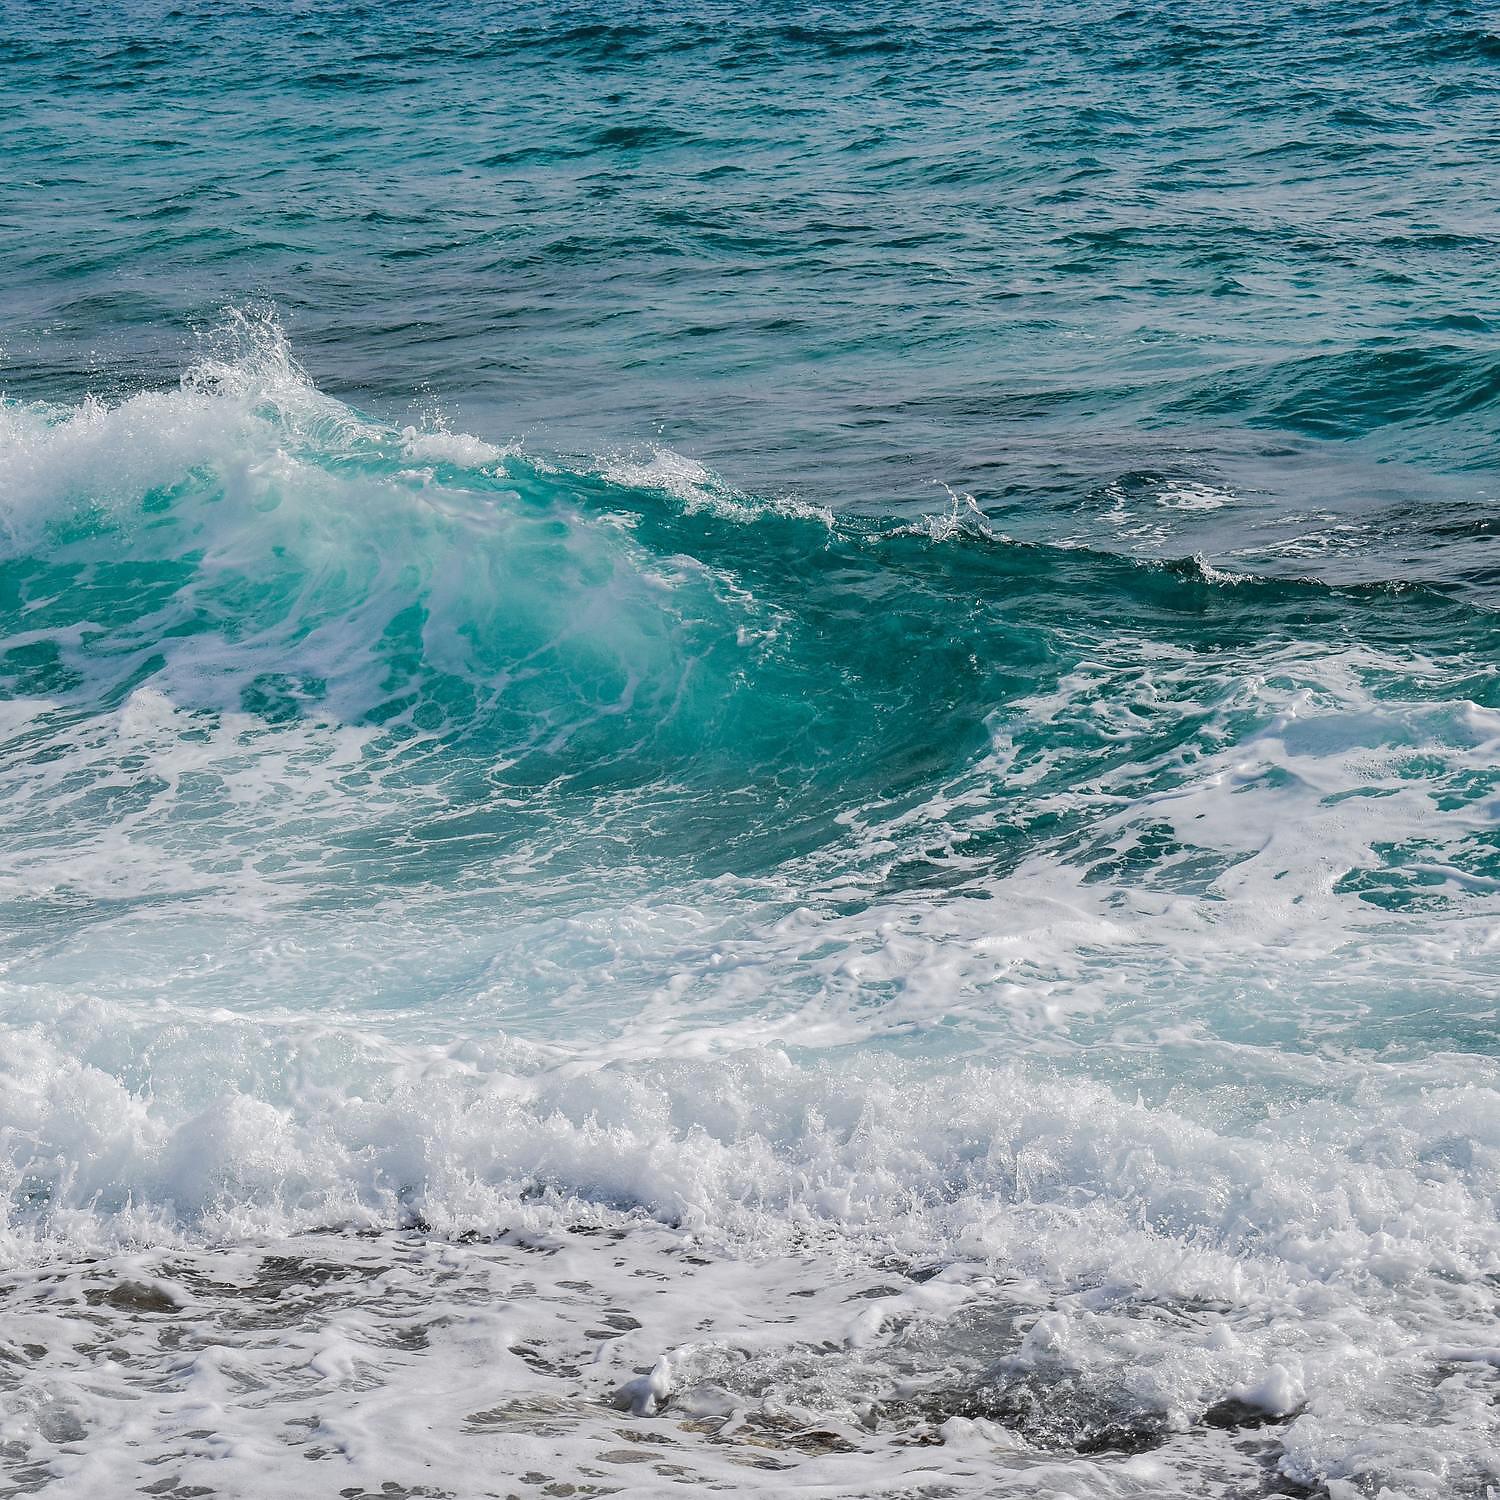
(749, 749)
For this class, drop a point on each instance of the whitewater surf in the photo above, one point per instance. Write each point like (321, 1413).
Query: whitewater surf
(750, 750)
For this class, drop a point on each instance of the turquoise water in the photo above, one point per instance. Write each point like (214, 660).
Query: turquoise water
(866, 646)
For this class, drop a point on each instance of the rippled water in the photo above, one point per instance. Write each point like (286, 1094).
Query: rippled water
(749, 751)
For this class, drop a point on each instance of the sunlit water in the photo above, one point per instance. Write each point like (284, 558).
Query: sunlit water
(749, 751)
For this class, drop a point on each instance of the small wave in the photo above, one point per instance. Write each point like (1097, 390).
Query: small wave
(1358, 392)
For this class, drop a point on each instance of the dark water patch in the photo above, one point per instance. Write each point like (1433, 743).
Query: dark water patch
(1059, 1413)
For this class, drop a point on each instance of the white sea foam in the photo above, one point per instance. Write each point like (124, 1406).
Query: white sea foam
(461, 449)
(694, 486)
(1188, 495)
(1316, 1266)
(923, 1158)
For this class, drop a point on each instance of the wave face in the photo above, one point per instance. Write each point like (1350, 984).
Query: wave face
(676, 950)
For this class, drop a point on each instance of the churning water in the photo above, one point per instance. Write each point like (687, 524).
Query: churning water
(750, 749)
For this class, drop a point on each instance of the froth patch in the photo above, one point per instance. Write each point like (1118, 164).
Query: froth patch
(460, 449)
(287, 1124)
(634, 1358)
(697, 488)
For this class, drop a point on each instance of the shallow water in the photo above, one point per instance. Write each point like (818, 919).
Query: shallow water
(749, 751)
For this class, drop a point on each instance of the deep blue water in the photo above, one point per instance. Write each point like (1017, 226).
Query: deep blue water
(1023, 249)
(867, 635)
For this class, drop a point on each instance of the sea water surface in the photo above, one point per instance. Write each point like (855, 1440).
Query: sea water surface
(750, 748)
